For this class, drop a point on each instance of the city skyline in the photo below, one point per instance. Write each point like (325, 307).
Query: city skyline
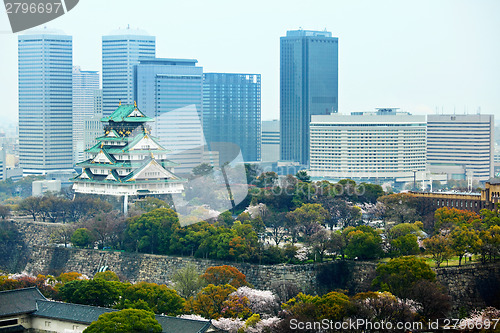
(387, 56)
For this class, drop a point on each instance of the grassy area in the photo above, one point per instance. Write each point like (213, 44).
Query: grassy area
(453, 261)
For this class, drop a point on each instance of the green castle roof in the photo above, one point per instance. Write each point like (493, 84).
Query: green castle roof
(125, 113)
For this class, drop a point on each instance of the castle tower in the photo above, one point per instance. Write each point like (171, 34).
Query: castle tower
(127, 160)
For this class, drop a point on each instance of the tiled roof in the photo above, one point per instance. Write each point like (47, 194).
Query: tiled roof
(122, 115)
(180, 325)
(19, 301)
(78, 313)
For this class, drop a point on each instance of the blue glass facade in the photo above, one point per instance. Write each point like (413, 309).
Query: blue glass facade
(120, 52)
(45, 102)
(231, 111)
(170, 90)
(308, 86)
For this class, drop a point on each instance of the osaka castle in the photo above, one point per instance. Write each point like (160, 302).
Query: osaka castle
(127, 160)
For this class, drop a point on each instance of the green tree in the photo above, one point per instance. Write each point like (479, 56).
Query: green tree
(362, 242)
(187, 281)
(125, 321)
(150, 203)
(439, 247)
(158, 298)
(266, 179)
(303, 176)
(464, 240)
(308, 217)
(82, 237)
(405, 245)
(152, 232)
(96, 292)
(202, 170)
(400, 274)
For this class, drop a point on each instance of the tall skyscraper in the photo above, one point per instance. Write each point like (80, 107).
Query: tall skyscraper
(309, 86)
(462, 146)
(121, 50)
(85, 83)
(170, 90)
(92, 124)
(231, 111)
(45, 101)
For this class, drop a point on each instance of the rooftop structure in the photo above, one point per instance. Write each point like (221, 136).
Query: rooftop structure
(127, 160)
(27, 309)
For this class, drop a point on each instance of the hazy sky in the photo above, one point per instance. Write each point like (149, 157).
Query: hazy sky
(416, 55)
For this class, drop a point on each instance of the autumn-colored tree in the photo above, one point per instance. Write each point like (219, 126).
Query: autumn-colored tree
(209, 302)
(107, 276)
(221, 275)
(447, 218)
(125, 321)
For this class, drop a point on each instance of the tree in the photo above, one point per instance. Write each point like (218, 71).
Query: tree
(400, 207)
(266, 179)
(489, 243)
(158, 298)
(321, 242)
(259, 301)
(225, 219)
(308, 217)
(362, 242)
(370, 192)
(125, 321)
(463, 240)
(303, 176)
(152, 232)
(30, 206)
(202, 170)
(221, 275)
(405, 245)
(439, 247)
(63, 234)
(4, 211)
(187, 281)
(448, 218)
(400, 274)
(435, 301)
(276, 222)
(107, 228)
(383, 306)
(150, 203)
(107, 276)
(96, 292)
(209, 302)
(340, 213)
(82, 237)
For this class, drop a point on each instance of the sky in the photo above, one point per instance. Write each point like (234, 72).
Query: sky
(420, 56)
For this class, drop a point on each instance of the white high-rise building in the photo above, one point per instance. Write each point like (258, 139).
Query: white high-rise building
(462, 146)
(270, 150)
(45, 101)
(85, 83)
(382, 146)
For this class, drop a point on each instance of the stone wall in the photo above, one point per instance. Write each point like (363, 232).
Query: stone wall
(470, 286)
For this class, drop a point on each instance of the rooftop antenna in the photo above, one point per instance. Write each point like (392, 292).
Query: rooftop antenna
(128, 26)
(479, 110)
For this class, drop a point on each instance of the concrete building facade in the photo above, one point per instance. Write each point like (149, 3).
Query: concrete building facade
(382, 146)
(462, 146)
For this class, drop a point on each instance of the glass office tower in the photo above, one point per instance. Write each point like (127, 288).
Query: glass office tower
(308, 86)
(170, 90)
(231, 111)
(45, 101)
(121, 50)
(85, 83)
